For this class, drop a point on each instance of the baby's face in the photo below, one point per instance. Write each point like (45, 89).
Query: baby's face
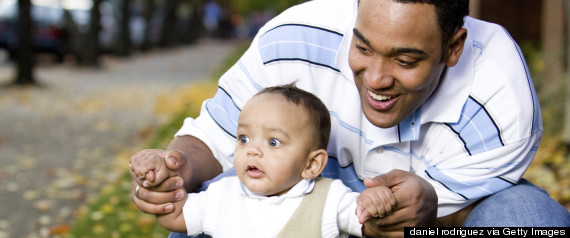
(273, 144)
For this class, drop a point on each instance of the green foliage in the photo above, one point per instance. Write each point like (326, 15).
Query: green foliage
(248, 6)
(550, 168)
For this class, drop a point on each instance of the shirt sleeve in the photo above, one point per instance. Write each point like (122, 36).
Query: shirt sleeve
(461, 179)
(194, 213)
(339, 212)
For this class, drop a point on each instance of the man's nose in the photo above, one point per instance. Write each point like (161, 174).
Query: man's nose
(380, 74)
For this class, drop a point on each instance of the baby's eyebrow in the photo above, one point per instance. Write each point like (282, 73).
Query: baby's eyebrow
(278, 130)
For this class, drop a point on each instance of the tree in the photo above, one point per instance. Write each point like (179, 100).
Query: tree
(89, 55)
(566, 131)
(168, 30)
(149, 7)
(125, 42)
(25, 62)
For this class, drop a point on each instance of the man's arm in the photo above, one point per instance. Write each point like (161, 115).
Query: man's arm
(194, 163)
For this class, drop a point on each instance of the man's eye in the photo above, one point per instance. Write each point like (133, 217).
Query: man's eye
(362, 49)
(405, 62)
(243, 139)
(274, 142)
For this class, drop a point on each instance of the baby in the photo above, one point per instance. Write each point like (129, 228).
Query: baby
(280, 152)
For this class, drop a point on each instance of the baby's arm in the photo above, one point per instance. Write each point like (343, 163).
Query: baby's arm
(174, 221)
(374, 202)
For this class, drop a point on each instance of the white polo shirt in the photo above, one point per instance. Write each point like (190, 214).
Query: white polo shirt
(475, 136)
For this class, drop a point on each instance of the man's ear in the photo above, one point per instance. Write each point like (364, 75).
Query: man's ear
(316, 164)
(455, 47)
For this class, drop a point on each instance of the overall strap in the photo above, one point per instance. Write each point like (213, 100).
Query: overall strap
(306, 221)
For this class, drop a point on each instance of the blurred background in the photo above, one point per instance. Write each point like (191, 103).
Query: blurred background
(87, 83)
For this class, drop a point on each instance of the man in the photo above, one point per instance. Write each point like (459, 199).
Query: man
(440, 110)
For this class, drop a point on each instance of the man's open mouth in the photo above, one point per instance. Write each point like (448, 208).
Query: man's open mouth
(379, 97)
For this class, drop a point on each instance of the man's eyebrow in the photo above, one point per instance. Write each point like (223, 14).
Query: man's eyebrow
(396, 50)
(412, 51)
(360, 36)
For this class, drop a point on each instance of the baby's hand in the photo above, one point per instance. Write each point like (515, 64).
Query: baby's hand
(375, 202)
(149, 170)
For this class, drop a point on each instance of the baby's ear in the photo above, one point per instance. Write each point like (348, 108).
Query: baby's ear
(316, 163)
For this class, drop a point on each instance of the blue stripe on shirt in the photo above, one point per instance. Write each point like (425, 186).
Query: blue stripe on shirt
(300, 43)
(224, 112)
(346, 174)
(477, 129)
(409, 128)
(468, 189)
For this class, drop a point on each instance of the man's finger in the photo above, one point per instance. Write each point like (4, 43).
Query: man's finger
(390, 179)
(169, 184)
(155, 197)
(150, 208)
(174, 159)
(397, 220)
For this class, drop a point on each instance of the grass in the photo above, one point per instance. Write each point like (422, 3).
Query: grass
(113, 214)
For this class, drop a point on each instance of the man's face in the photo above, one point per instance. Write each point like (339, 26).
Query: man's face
(395, 56)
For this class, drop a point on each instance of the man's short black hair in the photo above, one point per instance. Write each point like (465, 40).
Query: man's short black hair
(450, 14)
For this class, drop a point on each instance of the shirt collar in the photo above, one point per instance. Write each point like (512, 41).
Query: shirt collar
(300, 189)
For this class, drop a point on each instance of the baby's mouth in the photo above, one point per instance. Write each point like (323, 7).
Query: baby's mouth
(254, 172)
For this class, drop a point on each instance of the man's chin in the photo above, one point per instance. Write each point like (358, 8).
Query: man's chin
(379, 119)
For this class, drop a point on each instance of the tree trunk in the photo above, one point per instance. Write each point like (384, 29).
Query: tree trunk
(25, 63)
(91, 48)
(149, 7)
(168, 29)
(566, 131)
(196, 21)
(125, 42)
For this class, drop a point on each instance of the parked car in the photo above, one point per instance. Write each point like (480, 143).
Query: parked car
(48, 29)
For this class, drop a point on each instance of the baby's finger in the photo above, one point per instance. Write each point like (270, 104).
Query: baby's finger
(385, 200)
(150, 176)
(362, 214)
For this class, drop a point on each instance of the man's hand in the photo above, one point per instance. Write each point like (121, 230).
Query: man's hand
(190, 163)
(158, 199)
(416, 204)
(375, 201)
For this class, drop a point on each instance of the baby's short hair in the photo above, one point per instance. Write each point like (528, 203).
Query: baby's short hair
(318, 112)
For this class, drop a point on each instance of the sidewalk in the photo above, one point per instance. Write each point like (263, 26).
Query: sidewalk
(58, 142)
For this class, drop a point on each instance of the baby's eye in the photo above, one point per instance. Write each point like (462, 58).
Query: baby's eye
(243, 139)
(274, 142)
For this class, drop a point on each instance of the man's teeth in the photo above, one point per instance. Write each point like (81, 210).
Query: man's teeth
(379, 97)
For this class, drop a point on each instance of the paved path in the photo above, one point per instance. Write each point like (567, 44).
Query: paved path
(58, 143)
